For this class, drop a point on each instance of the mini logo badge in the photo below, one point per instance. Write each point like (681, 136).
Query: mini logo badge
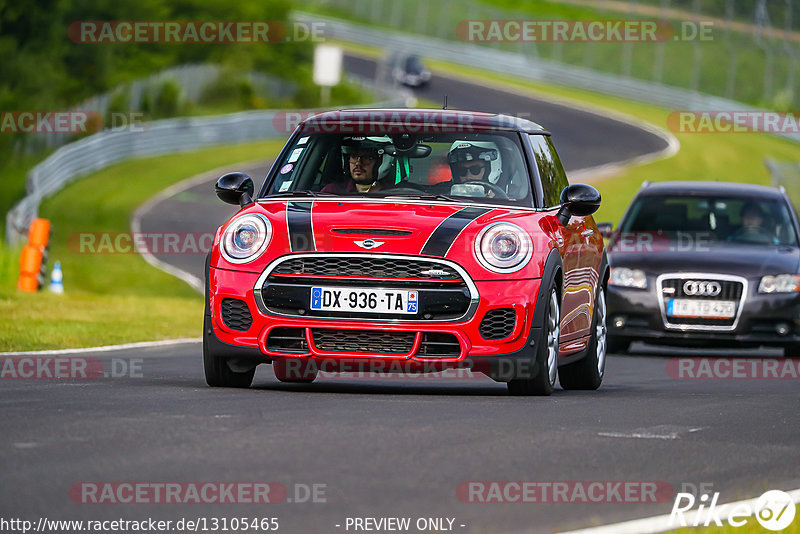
(368, 243)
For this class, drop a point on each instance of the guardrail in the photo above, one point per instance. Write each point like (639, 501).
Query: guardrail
(160, 137)
(530, 68)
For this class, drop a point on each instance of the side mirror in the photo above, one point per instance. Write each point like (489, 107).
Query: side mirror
(578, 199)
(605, 229)
(235, 188)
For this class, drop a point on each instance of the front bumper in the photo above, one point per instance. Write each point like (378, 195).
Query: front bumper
(519, 295)
(635, 314)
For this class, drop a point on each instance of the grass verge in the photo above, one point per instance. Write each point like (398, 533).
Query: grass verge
(110, 298)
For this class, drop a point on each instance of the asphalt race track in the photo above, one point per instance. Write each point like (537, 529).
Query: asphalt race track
(393, 446)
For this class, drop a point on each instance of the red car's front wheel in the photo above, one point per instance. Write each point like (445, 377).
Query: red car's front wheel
(218, 372)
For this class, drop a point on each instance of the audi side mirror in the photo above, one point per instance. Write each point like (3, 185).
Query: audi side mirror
(235, 188)
(578, 199)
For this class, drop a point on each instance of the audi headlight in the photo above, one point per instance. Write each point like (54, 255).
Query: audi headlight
(246, 238)
(782, 283)
(503, 247)
(624, 277)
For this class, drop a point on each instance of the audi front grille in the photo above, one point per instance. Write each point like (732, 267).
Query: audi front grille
(701, 287)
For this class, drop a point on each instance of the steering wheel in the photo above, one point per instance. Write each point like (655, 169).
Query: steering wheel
(498, 192)
(747, 234)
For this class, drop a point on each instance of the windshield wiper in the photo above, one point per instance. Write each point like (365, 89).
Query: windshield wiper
(299, 193)
(425, 196)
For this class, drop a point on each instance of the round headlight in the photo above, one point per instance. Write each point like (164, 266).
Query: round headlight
(503, 247)
(246, 238)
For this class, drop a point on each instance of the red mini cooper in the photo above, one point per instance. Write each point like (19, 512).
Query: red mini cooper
(410, 241)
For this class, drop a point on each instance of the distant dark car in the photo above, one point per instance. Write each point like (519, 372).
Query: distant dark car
(706, 264)
(409, 70)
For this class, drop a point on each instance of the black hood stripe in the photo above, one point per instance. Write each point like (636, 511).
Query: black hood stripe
(299, 226)
(446, 233)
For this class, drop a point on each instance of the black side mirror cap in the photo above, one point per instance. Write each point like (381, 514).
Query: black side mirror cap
(235, 188)
(578, 199)
(606, 229)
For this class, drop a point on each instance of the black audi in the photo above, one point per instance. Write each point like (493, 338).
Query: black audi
(705, 264)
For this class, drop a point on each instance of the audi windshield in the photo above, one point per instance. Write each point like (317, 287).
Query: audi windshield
(735, 220)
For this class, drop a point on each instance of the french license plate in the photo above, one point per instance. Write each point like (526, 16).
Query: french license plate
(356, 299)
(704, 309)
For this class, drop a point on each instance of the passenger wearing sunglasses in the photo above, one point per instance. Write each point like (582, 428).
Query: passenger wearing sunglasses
(474, 161)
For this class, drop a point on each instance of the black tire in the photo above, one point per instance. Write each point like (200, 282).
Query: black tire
(218, 374)
(617, 345)
(587, 373)
(544, 369)
(294, 371)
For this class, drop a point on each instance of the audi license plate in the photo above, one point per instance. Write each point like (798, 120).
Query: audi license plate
(702, 309)
(355, 299)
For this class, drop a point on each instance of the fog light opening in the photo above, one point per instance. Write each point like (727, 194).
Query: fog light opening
(619, 321)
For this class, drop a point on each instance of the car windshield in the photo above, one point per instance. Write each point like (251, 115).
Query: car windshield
(486, 167)
(413, 64)
(741, 220)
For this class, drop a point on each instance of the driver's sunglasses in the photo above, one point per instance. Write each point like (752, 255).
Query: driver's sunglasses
(474, 170)
(366, 158)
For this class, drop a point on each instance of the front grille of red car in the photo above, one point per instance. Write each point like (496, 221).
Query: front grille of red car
(361, 341)
(498, 324)
(445, 293)
(236, 315)
(360, 266)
